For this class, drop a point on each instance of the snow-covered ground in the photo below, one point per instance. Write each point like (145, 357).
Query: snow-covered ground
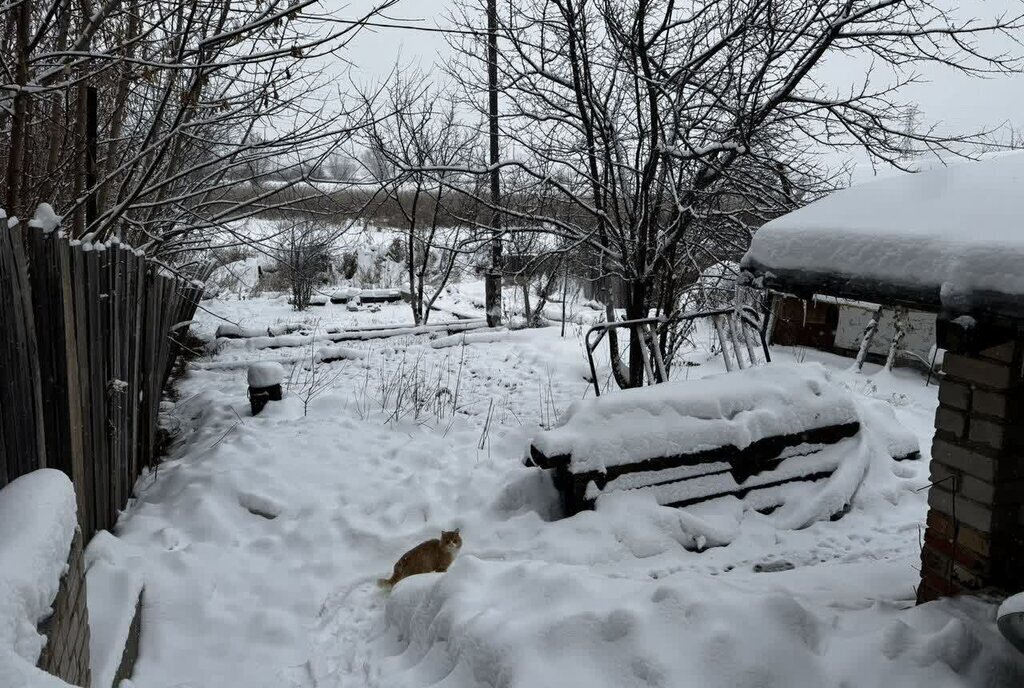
(261, 539)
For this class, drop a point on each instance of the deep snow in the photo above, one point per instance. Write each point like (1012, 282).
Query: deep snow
(37, 524)
(259, 541)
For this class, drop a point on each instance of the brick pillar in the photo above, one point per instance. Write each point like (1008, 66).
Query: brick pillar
(975, 530)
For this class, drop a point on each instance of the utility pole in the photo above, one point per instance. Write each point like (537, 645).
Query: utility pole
(492, 285)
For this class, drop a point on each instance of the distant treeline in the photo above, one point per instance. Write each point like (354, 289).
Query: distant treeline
(309, 201)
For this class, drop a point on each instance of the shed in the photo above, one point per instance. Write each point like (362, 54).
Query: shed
(837, 325)
(948, 240)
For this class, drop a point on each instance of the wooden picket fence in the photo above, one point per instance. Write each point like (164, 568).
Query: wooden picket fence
(88, 337)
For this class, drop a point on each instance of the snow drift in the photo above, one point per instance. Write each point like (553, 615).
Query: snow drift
(534, 625)
(37, 524)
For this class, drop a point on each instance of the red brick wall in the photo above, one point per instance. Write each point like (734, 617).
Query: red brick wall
(975, 527)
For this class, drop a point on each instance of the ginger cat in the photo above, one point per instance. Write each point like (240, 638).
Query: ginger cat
(432, 555)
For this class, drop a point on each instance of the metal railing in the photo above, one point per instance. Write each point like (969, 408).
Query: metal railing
(650, 330)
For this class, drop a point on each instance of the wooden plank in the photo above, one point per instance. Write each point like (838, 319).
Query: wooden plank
(124, 365)
(124, 417)
(23, 294)
(8, 347)
(58, 351)
(79, 264)
(103, 351)
(32, 246)
(151, 395)
(72, 387)
(115, 397)
(97, 377)
(10, 360)
(48, 297)
(137, 339)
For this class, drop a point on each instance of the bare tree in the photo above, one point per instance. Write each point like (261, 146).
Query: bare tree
(305, 256)
(155, 120)
(422, 130)
(675, 129)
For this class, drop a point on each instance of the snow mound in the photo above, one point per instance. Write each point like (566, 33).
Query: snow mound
(463, 338)
(37, 524)
(113, 588)
(237, 332)
(45, 218)
(265, 374)
(690, 416)
(533, 625)
(326, 354)
(954, 232)
(1012, 605)
(1010, 618)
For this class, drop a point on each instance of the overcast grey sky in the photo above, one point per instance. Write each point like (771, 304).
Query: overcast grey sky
(960, 103)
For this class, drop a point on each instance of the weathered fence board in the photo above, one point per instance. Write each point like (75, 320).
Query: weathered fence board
(87, 350)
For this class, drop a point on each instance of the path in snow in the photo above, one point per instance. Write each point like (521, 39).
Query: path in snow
(261, 539)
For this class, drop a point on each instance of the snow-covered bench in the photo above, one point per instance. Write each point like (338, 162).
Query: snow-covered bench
(744, 434)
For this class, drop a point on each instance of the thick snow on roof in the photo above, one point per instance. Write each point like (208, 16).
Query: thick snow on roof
(950, 237)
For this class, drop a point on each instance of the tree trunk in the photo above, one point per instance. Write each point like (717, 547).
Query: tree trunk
(636, 308)
(900, 325)
(527, 311)
(869, 334)
(620, 374)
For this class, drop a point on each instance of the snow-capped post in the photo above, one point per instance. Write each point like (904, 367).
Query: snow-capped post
(869, 334)
(734, 337)
(900, 325)
(722, 342)
(265, 378)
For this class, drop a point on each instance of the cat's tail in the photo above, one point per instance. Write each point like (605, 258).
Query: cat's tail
(384, 583)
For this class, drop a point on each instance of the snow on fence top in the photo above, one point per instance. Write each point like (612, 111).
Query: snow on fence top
(691, 416)
(949, 238)
(37, 524)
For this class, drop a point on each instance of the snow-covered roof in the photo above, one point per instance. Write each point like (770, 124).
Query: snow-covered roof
(948, 239)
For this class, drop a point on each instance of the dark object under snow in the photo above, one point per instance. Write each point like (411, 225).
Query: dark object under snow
(259, 396)
(265, 378)
(1010, 619)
